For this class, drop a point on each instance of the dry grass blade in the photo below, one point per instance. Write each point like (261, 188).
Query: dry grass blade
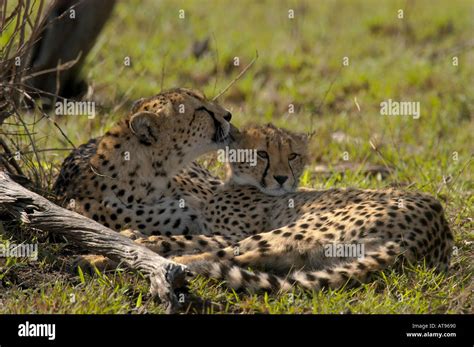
(239, 76)
(321, 103)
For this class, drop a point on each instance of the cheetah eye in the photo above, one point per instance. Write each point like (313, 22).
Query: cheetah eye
(293, 156)
(262, 154)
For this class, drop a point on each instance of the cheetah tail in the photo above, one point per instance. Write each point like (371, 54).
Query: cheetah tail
(350, 273)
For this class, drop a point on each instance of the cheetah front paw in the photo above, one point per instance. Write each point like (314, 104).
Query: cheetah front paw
(132, 234)
(191, 258)
(156, 244)
(90, 261)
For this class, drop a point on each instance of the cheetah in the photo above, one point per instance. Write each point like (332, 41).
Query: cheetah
(301, 229)
(141, 173)
(238, 208)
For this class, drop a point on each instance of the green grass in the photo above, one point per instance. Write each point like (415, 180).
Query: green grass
(299, 62)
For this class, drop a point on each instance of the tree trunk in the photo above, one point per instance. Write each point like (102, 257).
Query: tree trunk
(72, 29)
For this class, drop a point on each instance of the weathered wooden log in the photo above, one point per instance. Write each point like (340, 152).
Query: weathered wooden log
(40, 213)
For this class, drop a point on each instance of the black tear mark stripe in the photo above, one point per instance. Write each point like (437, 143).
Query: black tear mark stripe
(265, 172)
(289, 164)
(292, 173)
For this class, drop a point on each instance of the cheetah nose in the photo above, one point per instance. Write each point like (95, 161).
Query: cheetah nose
(280, 179)
(228, 116)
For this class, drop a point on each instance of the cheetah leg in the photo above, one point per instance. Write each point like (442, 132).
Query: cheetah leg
(185, 244)
(164, 245)
(351, 273)
(88, 262)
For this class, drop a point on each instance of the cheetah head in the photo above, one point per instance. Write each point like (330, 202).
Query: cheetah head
(280, 159)
(180, 124)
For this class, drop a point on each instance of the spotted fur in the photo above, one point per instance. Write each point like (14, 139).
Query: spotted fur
(394, 226)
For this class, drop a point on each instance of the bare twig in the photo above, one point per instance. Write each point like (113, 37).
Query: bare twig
(46, 150)
(11, 158)
(38, 176)
(216, 61)
(238, 77)
(163, 71)
(60, 67)
(49, 118)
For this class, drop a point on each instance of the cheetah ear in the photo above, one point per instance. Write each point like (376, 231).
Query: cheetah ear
(303, 137)
(306, 137)
(311, 135)
(137, 104)
(145, 126)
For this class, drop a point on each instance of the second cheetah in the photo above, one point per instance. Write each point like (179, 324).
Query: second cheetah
(301, 230)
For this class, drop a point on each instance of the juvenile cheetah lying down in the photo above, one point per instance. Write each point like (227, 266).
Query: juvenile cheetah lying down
(255, 219)
(305, 230)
